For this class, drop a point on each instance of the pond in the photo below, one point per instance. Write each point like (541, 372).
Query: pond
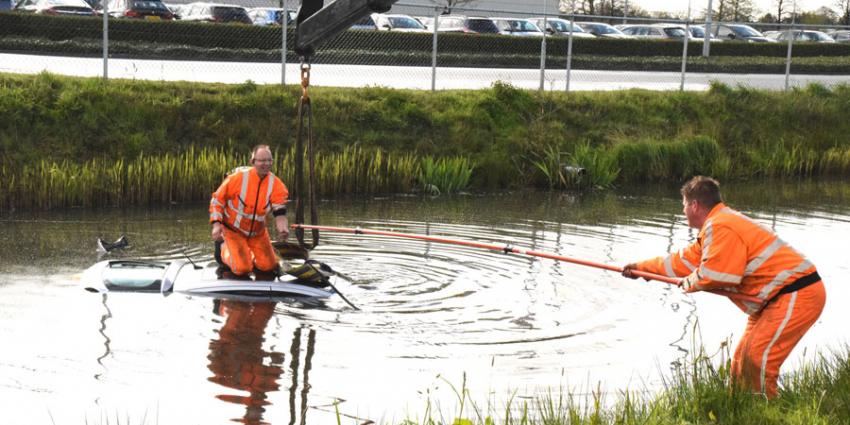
(433, 318)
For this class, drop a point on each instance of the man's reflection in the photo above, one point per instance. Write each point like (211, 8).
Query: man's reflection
(238, 360)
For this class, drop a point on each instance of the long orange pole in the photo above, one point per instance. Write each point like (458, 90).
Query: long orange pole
(510, 249)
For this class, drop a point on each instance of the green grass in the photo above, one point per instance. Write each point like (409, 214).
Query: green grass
(375, 139)
(698, 392)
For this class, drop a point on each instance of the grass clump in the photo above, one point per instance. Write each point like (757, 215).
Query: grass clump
(697, 393)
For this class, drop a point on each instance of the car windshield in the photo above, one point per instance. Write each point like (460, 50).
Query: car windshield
(674, 32)
(697, 32)
(523, 26)
(483, 25)
(819, 36)
(605, 29)
(561, 26)
(404, 22)
(745, 31)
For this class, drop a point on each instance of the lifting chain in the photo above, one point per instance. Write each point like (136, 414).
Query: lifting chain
(305, 111)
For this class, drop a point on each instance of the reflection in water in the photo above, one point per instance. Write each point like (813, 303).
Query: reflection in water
(106, 341)
(238, 360)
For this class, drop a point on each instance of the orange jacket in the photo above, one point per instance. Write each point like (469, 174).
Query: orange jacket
(736, 254)
(243, 200)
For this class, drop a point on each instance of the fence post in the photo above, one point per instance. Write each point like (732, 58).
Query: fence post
(283, 28)
(570, 51)
(543, 50)
(105, 40)
(685, 54)
(790, 44)
(434, 51)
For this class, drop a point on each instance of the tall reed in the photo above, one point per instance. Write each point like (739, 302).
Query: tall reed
(192, 175)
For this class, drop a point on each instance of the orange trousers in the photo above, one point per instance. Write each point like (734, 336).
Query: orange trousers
(771, 335)
(242, 254)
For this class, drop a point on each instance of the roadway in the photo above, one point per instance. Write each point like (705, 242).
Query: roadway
(391, 76)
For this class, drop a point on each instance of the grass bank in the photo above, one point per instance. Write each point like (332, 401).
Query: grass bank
(698, 393)
(60, 127)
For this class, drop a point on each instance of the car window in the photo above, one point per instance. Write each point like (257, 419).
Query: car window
(745, 31)
(404, 22)
(675, 32)
(483, 25)
(697, 32)
(150, 5)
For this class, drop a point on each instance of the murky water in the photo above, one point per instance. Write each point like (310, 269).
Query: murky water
(431, 313)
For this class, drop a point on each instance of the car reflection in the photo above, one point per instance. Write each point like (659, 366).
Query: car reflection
(238, 361)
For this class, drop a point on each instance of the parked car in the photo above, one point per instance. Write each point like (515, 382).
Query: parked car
(560, 27)
(518, 27)
(603, 30)
(149, 10)
(176, 9)
(218, 13)
(841, 36)
(6, 4)
(806, 35)
(266, 16)
(660, 31)
(365, 23)
(739, 32)
(771, 34)
(465, 24)
(55, 7)
(395, 22)
(698, 34)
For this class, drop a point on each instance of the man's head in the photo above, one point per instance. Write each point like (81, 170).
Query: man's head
(699, 195)
(261, 159)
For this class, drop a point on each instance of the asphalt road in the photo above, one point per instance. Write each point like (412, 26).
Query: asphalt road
(392, 76)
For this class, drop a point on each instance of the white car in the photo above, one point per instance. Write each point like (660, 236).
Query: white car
(518, 27)
(395, 22)
(560, 27)
(660, 31)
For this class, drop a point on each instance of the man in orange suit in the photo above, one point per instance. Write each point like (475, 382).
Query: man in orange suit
(734, 253)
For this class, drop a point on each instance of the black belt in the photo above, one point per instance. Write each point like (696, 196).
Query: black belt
(796, 285)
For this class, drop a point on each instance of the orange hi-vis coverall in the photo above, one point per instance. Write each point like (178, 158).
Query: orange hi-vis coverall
(241, 204)
(736, 254)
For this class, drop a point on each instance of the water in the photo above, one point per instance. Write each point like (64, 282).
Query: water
(432, 314)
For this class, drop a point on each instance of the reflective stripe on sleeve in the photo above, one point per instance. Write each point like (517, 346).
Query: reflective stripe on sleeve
(685, 261)
(719, 276)
(668, 266)
(216, 216)
(763, 256)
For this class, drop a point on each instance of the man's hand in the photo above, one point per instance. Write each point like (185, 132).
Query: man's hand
(689, 284)
(217, 232)
(627, 270)
(281, 223)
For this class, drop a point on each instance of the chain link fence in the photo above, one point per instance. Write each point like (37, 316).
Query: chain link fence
(423, 48)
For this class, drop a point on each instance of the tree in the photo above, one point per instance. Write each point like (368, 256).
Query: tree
(448, 5)
(822, 16)
(780, 9)
(844, 11)
(741, 10)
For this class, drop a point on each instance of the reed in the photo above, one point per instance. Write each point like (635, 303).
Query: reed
(698, 392)
(192, 175)
(445, 175)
